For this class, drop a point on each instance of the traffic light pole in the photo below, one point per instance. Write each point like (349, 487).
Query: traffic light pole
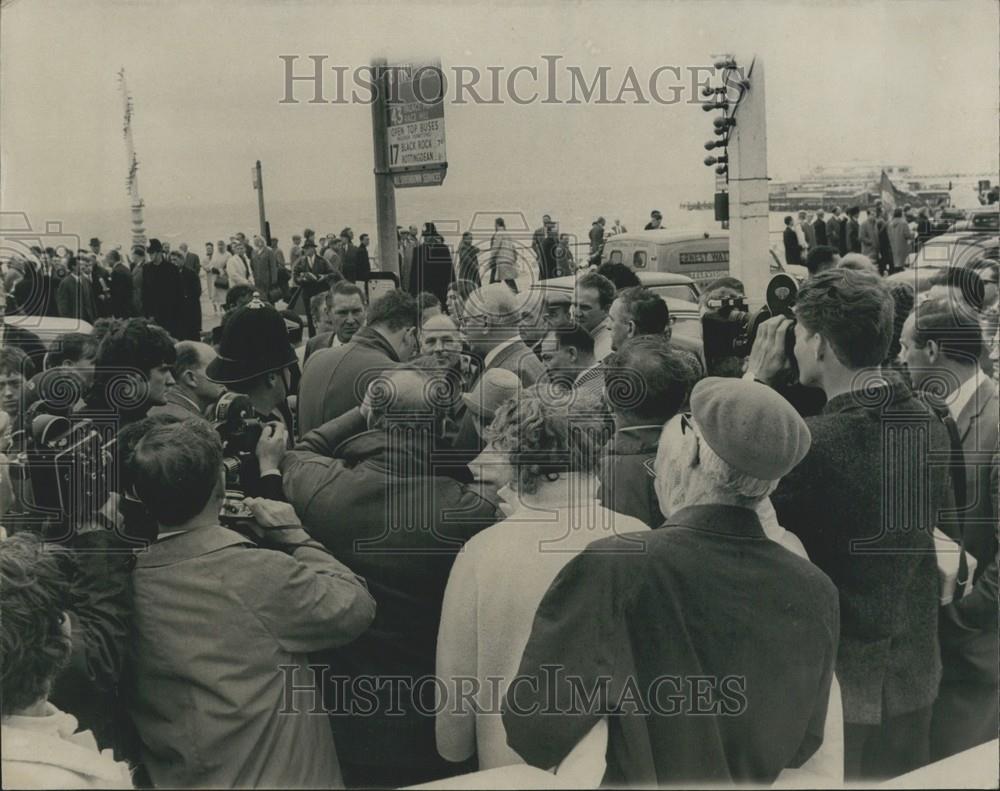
(749, 230)
(258, 183)
(385, 190)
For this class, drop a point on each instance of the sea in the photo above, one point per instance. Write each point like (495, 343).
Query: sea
(452, 212)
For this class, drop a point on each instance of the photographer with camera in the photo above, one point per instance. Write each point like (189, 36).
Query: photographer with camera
(257, 361)
(883, 566)
(221, 627)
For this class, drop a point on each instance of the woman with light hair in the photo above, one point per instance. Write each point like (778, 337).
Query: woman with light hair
(551, 452)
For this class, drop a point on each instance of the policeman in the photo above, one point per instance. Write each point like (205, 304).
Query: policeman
(257, 359)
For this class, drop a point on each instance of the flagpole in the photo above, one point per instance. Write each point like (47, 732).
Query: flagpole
(132, 180)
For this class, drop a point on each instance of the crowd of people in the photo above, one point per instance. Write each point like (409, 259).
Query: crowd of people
(886, 237)
(470, 526)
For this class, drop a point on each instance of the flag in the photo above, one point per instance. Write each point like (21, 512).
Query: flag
(888, 192)
(892, 196)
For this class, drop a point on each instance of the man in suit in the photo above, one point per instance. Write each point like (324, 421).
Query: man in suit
(833, 230)
(336, 380)
(490, 323)
(869, 241)
(191, 260)
(793, 248)
(807, 230)
(941, 345)
(852, 503)
(162, 290)
(853, 230)
(75, 295)
(193, 391)
(309, 274)
(345, 304)
(819, 228)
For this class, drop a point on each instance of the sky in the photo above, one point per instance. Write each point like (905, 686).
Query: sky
(896, 81)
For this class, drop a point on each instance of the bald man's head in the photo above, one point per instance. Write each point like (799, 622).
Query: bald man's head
(399, 395)
(189, 372)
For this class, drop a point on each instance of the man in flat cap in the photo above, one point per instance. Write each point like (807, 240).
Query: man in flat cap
(709, 647)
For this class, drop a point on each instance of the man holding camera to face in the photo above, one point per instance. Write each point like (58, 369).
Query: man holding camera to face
(221, 626)
(876, 544)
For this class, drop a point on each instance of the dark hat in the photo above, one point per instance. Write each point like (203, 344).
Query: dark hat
(430, 229)
(308, 243)
(750, 426)
(94, 241)
(155, 246)
(254, 342)
(138, 248)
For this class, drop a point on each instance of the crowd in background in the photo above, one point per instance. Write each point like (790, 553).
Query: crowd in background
(476, 529)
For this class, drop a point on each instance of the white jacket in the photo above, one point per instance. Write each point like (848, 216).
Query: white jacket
(48, 752)
(239, 272)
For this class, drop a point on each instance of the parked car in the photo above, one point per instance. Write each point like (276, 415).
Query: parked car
(981, 220)
(679, 292)
(947, 250)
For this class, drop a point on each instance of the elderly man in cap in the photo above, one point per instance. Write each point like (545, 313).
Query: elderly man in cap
(257, 360)
(341, 486)
(710, 646)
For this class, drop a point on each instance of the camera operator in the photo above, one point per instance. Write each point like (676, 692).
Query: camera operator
(193, 392)
(219, 624)
(256, 359)
(885, 570)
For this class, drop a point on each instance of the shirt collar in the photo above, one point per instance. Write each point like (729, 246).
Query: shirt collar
(959, 398)
(491, 355)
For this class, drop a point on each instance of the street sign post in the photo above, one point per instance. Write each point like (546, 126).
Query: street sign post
(416, 150)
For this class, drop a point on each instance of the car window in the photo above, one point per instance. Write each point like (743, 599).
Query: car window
(616, 257)
(936, 253)
(681, 291)
(986, 221)
(639, 259)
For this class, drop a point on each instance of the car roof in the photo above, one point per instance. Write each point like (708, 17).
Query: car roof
(567, 284)
(645, 277)
(963, 237)
(662, 236)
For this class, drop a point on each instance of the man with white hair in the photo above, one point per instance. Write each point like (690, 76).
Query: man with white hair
(491, 322)
(712, 652)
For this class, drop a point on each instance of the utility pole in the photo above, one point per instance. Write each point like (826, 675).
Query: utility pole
(258, 184)
(385, 190)
(132, 181)
(749, 229)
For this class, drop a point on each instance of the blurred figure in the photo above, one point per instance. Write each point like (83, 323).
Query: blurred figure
(42, 747)
(941, 349)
